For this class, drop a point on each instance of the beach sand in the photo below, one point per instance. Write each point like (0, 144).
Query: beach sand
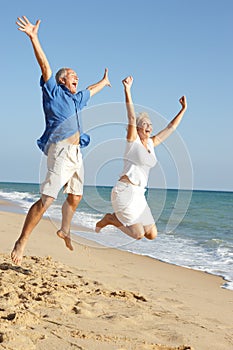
(104, 299)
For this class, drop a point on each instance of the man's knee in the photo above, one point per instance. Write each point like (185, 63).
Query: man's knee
(74, 200)
(45, 201)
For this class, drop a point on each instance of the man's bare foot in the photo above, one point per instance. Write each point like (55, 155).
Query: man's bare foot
(17, 252)
(66, 236)
(108, 219)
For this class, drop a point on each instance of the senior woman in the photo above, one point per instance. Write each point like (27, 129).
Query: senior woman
(132, 214)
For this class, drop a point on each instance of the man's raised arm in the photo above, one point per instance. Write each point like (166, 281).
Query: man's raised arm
(95, 88)
(32, 31)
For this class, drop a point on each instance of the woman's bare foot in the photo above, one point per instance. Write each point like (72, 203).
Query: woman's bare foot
(108, 219)
(66, 236)
(17, 252)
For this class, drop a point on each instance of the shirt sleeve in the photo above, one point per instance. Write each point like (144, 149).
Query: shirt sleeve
(83, 97)
(50, 87)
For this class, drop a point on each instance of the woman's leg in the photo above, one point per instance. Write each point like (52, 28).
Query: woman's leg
(135, 231)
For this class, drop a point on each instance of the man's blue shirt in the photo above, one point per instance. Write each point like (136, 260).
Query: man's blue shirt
(61, 109)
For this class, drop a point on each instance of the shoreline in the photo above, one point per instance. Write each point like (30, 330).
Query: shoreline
(105, 298)
(9, 206)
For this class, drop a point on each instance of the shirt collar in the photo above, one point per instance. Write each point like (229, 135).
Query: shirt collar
(65, 88)
(67, 91)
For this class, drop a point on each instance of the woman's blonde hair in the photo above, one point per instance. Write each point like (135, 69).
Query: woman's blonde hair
(141, 116)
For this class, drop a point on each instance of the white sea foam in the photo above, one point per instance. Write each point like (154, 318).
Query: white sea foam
(23, 199)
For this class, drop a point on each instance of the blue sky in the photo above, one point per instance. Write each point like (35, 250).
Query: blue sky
(171, 47)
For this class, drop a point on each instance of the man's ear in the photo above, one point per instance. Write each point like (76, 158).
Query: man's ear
(62, 81)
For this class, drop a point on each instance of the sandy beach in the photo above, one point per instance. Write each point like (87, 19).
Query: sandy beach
(104, 299)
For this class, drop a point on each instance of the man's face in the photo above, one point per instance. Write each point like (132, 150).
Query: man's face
(71, 81)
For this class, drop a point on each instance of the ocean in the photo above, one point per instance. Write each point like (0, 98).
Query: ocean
(195, 228)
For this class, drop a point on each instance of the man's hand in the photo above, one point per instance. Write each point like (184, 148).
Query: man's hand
(127, 82)
(106, 79)
(94, 88)
(25, 26)
(31, 30)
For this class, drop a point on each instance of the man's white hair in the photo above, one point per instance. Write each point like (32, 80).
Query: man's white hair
(61, 74)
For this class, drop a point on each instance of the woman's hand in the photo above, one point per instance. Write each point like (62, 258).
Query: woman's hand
(127, 82)
(183, 102)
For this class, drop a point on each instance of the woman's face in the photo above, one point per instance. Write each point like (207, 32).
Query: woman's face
(144, 127)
